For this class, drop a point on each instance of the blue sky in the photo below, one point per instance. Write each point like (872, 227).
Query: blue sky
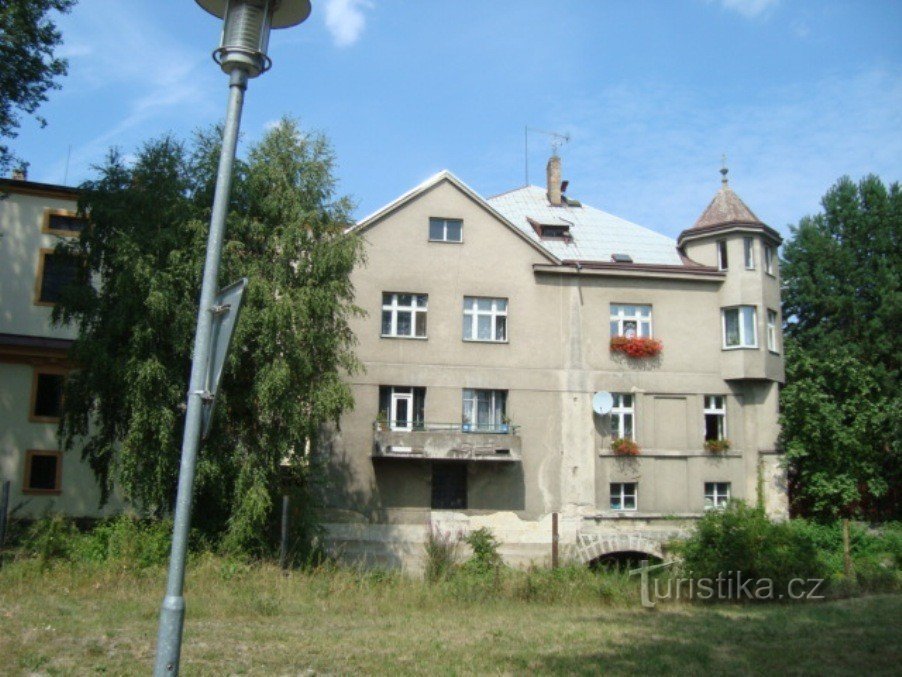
(652, 94)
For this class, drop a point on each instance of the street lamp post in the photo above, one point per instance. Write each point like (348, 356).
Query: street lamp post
(242, 55)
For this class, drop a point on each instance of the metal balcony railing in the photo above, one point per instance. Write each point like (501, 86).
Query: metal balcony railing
(431, 426)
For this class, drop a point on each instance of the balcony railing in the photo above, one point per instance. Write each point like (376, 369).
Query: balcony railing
(452, 441)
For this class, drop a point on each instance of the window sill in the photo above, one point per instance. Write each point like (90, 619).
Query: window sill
(466, 340)
(446, 241)
(774, 352)
(43, 419)
(42, 492)
(404, 338)
(739, 348)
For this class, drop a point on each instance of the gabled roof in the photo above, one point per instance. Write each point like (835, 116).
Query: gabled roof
(595, 236)
(430, 183)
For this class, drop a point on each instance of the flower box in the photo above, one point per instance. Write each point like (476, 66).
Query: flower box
(636, 347)
(622, 446)
(717, 446)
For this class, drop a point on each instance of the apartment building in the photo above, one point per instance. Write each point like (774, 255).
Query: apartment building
(33, 353)
(528, 354)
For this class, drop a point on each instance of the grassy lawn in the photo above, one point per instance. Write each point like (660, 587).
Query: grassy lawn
(71, 619)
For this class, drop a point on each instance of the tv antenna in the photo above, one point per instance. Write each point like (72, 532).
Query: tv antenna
(557, 140)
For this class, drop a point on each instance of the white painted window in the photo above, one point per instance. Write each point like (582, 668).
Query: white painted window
(484, 410)
(772, 330)
(624, 495)
(630, 321)
(404, 315)
(485, 319)
(740, 327)
(623, 416)
(715, 417)
(717, 495)
(748, 245)
(770, 255)
(446, 230)
(722, 262)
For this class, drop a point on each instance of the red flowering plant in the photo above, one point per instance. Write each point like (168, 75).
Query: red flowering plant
(717, 446)
(623, 446)
(636, 347)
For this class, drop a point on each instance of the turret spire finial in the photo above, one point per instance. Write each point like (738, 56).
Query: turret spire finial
(723, 169)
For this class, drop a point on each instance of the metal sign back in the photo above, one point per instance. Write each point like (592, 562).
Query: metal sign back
(226, 310)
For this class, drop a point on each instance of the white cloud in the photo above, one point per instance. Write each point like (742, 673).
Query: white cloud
(749, 8)
(345, 20)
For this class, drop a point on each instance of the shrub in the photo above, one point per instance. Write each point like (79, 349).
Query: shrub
(743, 539)
(485, 551)
(53, 536)
(441, 554)
(126, 539)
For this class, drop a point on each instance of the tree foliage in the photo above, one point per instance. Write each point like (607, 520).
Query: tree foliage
(28, 66)
(144, 252)
(843, 305)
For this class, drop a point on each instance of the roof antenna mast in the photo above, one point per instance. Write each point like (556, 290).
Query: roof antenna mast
(557, 140)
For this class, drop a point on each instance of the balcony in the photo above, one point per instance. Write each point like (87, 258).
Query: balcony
(447, 441)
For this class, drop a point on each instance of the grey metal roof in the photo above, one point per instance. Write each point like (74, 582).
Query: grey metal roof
(594, 235)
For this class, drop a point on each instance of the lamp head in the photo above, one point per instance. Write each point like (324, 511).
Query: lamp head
(246, 26)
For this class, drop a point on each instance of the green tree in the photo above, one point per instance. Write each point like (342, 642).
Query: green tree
(28, 66)
(843, 307)
(144, 252)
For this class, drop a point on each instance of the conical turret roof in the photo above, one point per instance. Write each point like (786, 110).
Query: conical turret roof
(726, 208)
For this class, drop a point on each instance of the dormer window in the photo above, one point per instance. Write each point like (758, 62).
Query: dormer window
(552, 231)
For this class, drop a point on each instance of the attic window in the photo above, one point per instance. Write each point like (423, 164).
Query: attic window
(547, 232)
(621, 258)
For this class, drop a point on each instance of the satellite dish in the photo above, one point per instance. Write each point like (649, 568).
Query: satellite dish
(602, 402)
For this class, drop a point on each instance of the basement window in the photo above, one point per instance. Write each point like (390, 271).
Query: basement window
(623, 495)
(449, 486)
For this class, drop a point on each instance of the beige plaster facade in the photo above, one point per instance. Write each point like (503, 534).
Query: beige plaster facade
(554, 357)
(29, 348)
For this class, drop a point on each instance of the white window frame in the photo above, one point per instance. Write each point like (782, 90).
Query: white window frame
(445, 222)
(744, 342)
(748, 250)
(772, 319)
(472, 314)
(619, 318)
(770, 255)
(470, 409)
(723, 257)
(622, 490)
(624, 405)
(415, 309)
(716, 405)
(718, 497)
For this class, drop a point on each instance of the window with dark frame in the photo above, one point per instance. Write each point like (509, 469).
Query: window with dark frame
(47, 401)
(446, 230)
(42, 472)
(57, 272)
(449, 485)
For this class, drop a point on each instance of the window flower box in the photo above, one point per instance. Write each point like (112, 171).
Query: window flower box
(717, 446)
(636, 347)
(622, 446)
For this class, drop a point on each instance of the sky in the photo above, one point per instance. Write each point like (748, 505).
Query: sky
(652, 95)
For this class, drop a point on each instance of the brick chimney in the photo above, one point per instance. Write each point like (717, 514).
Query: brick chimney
(553, 174)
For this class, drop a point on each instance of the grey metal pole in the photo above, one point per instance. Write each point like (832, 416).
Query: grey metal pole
(172, 613)
(283, 545)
